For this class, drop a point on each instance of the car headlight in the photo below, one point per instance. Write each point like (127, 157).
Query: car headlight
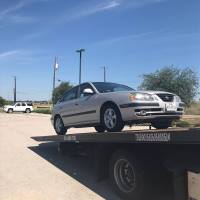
(178, 99)
(140, 97)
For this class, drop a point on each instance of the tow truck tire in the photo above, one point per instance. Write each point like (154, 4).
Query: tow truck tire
(28, 110)
(10, 110)
(161, 124)
(59, 126)
(127, 176)
(115, 118)
(99, 129)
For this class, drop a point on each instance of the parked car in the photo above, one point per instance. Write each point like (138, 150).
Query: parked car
(19, 107)
(110, 106)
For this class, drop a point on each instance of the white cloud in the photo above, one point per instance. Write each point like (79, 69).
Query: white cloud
(10, 53)
(5, 13)
(9, 13)
(129, 37)
(105, 5)
(139, 3)
(88, 10)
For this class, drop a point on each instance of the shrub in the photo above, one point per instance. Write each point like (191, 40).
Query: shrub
(182, 124)
(43, 111)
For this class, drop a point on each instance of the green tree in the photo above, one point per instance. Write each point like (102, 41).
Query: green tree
(2, 101)
(183, 82)
(60, 90)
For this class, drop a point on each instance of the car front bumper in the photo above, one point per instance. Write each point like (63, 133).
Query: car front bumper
(5, 109)
(148, 112)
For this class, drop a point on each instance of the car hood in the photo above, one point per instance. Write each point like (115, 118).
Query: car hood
(6, 106)
(154, 92)
(141, 91)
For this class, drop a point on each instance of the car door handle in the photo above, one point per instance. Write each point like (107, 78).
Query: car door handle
(76, 104)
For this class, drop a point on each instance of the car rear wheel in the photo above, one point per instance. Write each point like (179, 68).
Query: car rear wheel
(28, 110)
(111, 118)
(161, 124)
(59, 126)
(10, 110)
(99, 129)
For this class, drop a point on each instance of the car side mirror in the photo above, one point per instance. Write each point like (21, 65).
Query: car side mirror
(88, 91)
(60, 100)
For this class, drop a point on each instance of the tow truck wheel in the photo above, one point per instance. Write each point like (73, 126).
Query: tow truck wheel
(161, 124)
(10, 110)
(99, 129)
(111, 118)
(28, 110)
(59, 126)
(126, 176)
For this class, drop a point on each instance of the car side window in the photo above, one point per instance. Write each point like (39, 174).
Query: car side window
(18, 104)
(23, 104)
(84, 86)
(72, 94)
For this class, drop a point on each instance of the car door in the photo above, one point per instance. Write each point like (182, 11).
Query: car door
(23, 107)
(67, 106)
(17, 107)
(86, 111)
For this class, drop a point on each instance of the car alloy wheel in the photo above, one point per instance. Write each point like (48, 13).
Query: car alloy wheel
(28, 110)
(59, 126)
(110, 118)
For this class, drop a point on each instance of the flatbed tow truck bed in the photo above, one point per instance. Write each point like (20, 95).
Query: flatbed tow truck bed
(129, 157)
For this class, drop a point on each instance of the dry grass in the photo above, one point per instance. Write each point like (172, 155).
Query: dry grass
(193, 120)
(194, 109)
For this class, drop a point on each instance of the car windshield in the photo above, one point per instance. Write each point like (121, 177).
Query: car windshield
(110, 87)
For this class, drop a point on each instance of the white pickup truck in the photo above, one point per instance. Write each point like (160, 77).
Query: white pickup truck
(19, 107)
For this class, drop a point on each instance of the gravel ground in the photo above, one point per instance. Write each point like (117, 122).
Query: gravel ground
(38, 172)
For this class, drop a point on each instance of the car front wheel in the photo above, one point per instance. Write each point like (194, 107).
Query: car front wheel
(161, 124)
(99, 129)
(59, 126)
(111, 118)
(10, 110)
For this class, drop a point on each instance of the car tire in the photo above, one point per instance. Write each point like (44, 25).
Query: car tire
(59, 126)
(10, 110)
(28, 110)
(111, 118)
(127, 175)
(99, 129)
(161, 124)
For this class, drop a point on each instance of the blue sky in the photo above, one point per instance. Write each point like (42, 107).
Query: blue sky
(129, 37)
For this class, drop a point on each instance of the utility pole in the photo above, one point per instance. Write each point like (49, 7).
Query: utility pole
(80, 51)
(104, 73)
(15, 89)
(55, 67)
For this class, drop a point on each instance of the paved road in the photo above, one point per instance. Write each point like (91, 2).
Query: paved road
(29, 171)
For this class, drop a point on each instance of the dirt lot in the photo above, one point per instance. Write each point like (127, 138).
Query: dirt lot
(29, 171)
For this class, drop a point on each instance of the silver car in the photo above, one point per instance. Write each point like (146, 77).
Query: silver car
(110, 106)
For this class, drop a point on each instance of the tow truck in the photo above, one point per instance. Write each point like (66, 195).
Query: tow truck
(134, 159)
